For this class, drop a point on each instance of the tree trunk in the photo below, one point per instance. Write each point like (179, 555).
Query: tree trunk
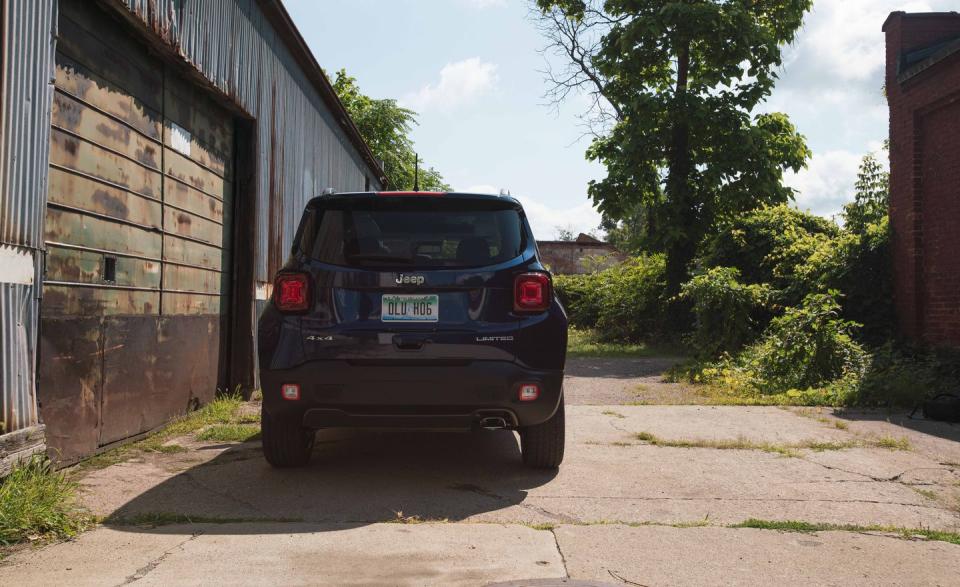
(680, 251)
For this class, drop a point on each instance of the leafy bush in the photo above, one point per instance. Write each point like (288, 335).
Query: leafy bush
(809, 346)
(623, 303)
(769, 244)
(725, 311)
(580, 295)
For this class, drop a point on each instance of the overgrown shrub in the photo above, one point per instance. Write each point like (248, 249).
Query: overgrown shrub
(725, 311)
(809, 346)
(769, 244)
(623, 303)
(580, 295)
(806, 356)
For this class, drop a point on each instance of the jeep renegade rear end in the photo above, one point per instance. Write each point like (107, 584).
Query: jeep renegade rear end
(419, 310)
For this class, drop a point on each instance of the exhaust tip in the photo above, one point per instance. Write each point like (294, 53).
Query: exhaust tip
(493, 423)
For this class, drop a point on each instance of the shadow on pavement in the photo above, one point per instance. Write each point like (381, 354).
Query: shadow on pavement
(619, 367)
(355, 478)
(945, 430)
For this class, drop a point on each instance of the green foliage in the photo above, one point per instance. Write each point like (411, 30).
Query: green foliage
(904, 376)
(770, 245)
(588, 343)
(386, 128)
(682, 80)
(623, 303)
(725, 310)
(809, 346)
(37, 502)
(872, 201)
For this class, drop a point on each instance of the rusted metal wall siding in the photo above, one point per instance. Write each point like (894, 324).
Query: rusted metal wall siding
(28, 42)
(301, 149)
(28, 45)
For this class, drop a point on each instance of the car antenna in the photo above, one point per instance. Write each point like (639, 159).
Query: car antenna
(416, 172)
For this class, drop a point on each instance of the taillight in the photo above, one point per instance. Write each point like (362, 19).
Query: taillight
(531, 292)
(291, 292)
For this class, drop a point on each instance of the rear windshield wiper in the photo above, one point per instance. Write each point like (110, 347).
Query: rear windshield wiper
(380, 258)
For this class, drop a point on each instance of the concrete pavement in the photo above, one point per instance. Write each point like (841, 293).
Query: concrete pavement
(645, 496)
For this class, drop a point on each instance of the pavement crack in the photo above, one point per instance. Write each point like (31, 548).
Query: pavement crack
(527, 506)
(563, 559)
(153, 564)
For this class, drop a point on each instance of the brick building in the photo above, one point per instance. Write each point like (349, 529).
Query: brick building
(923, 89)
(582, 255)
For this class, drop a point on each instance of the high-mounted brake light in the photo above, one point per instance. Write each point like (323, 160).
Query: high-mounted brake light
(401, 194)
(531, 292)
(291, 292)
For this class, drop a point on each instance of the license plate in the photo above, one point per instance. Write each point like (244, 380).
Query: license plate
(410, 308)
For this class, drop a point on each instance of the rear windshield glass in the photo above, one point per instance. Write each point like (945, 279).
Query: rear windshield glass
(413, 235)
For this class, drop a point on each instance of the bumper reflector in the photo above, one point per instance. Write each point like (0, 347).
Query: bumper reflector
(529, 392)
(290, 391)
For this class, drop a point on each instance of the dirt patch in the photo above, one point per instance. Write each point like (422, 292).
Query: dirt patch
(625, 381)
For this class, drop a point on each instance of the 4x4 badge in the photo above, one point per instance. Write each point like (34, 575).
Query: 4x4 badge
(409, 279)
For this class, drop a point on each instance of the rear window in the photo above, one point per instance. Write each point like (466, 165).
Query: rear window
(412, 234)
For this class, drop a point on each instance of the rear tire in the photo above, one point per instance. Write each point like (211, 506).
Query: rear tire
(542, 445)
(285, 442)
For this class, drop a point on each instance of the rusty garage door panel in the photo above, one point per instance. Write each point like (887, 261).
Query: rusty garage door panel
(68, 227)
(80, 266)
(82, 193)
(180, 195)
(109, 53)
(188, 225)
(72, 116)
(90, 88)
(183, 169)
(138, 237)
(71, 351)
(72, 152)
(154, 371)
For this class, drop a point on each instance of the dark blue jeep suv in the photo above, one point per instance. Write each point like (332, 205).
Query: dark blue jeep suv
(418, 310)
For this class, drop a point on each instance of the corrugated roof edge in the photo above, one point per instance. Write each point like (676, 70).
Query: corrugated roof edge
(277, 13)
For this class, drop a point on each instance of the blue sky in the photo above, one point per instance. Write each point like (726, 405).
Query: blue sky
(471, 68)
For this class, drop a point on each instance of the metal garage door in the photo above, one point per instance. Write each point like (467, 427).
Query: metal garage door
(137, 286)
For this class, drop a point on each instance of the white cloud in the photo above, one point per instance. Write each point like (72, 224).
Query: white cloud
(545, 219)
(827, 183)
(461, 83)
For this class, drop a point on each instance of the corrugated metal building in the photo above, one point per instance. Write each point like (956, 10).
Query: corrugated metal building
(155, 158)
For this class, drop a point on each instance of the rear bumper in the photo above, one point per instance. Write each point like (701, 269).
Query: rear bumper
(357, 394)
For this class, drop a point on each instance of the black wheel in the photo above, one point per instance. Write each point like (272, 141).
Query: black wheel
(542, 445)
(285, 442)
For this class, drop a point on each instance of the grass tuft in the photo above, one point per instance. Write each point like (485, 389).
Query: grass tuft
(612, 413)
(229, 433)
(39, 503)
(806, 527)
(893, 443)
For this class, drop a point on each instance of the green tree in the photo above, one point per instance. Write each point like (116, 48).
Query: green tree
(674, 84)
(386, 126)
(872, 198)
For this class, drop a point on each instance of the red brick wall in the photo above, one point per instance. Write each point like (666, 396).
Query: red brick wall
(925, 180)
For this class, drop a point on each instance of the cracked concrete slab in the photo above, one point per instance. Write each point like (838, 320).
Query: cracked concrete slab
(294, 554)
(722, 556)
(368, 477)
